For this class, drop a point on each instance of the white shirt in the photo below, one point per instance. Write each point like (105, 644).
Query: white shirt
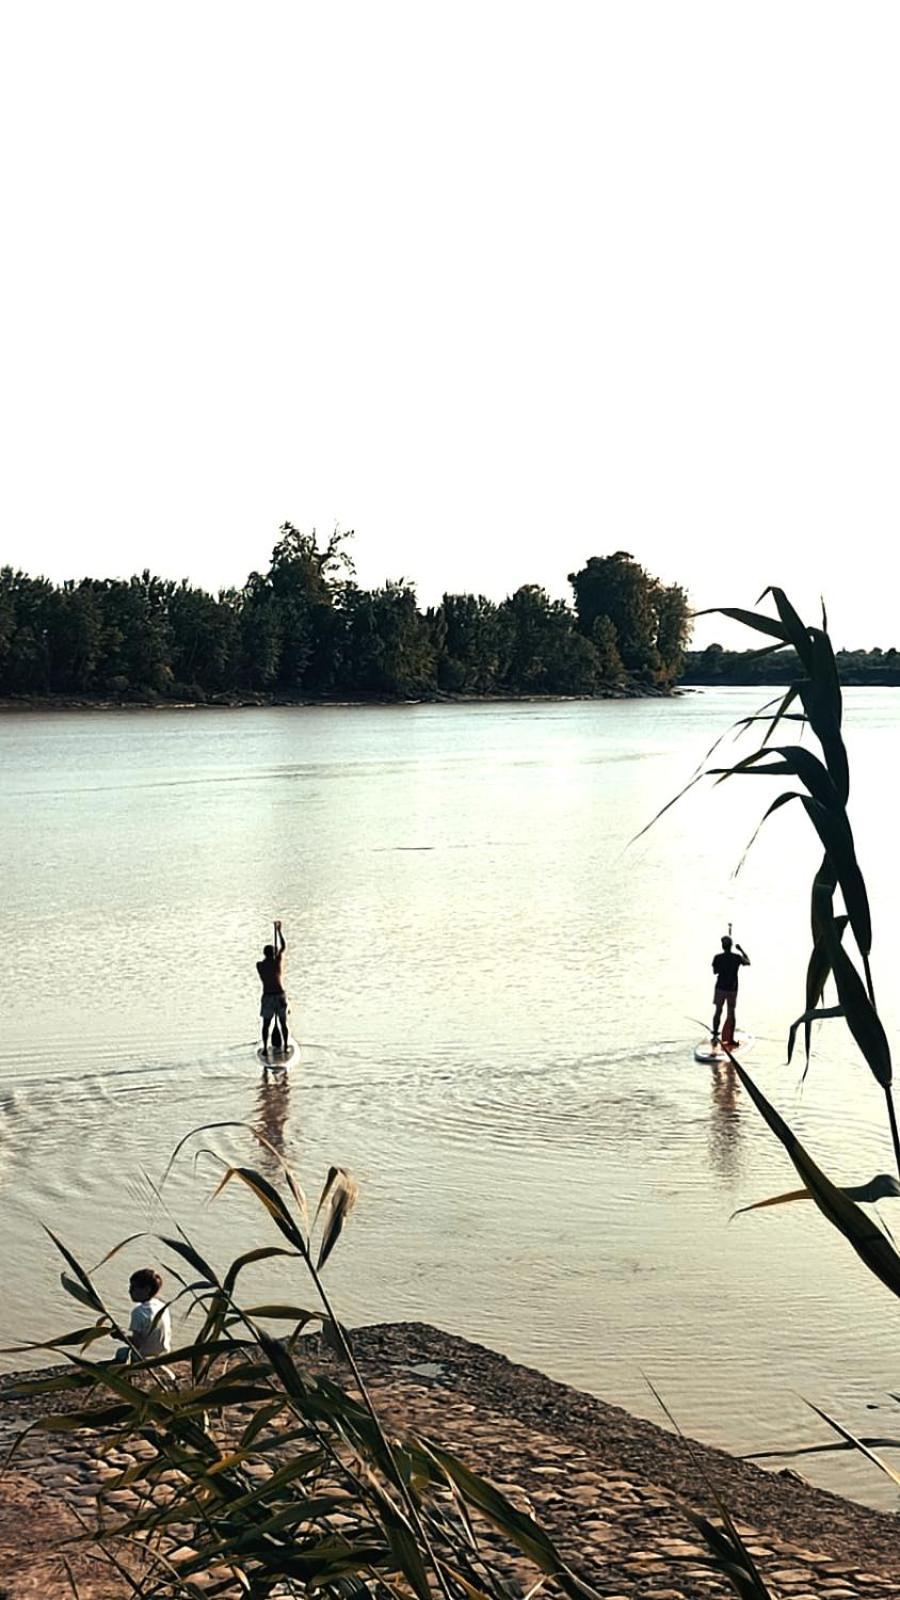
(150, 1340)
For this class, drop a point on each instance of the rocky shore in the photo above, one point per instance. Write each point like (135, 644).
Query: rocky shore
(608, 1486)
(239, 700)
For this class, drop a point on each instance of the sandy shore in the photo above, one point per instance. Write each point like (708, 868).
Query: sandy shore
(607, 1485)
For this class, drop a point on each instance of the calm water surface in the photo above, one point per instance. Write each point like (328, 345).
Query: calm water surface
(497, 1002)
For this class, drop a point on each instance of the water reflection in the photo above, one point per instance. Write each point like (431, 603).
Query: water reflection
(725, 1122)
(272, 1108)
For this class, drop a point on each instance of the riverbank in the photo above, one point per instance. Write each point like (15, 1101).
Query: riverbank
(606, 1485)
(249, 701)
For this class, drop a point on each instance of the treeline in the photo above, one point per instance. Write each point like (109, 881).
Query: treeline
(305, 628)
(715, 665)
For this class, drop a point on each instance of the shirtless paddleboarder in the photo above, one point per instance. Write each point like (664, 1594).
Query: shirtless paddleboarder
(273, 1006)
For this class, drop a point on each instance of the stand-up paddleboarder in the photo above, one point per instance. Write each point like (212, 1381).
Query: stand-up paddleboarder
(273, 1007)
(726, 966)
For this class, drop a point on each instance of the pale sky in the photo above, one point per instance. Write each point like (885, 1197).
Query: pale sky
(499, 285)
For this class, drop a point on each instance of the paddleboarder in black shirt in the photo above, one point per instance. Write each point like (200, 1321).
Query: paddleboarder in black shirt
(726, 966)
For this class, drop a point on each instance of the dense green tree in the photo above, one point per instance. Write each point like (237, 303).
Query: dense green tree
(31, 606)
(617, 587)
(546, 654)
(477, 640)
(305, 627)
(137, 635)
(77, 635)
(304, 578)
(388, 643)
(260, 634)
(206, 638)
(605, 640)
(651, 619)
(673, 627)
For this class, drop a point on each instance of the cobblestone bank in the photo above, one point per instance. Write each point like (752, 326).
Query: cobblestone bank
(605, 1484)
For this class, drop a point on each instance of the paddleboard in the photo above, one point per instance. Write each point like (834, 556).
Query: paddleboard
(716, 1055)
(278, 1060)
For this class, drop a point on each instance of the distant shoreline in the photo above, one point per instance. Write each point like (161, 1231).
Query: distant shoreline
(257, 702)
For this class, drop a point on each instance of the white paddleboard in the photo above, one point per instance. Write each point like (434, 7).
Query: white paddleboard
(278, 1060)
(716, 1055)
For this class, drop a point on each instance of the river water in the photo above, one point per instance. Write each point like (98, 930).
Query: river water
(497, 1000)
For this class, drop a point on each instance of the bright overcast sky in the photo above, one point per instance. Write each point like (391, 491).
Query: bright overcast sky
(499, 285)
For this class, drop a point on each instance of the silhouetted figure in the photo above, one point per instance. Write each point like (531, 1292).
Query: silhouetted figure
(726, 966)
(273, 1005)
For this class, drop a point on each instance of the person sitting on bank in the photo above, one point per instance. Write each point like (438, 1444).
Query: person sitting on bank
(273, 1006)
(726, 966)
(150, 1328)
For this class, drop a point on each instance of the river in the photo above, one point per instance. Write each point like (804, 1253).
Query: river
(496, 997)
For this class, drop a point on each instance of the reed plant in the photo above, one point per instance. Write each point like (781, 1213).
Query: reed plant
(839, 985)
(252, 1472)
(289, 1480)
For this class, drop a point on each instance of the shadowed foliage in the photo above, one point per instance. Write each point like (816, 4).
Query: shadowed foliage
(813, 702)
(306, 628)
(259, 1474)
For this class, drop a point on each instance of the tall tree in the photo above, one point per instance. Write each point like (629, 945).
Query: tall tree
(205, 635)
(475, 653)
(304, 578)
(547, 656)
(673, 628)
(617, 587)
(388, 641)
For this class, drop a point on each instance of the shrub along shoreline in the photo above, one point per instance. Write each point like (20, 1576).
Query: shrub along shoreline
(259, 701)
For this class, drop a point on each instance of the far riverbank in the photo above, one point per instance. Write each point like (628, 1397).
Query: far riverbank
(257, 702)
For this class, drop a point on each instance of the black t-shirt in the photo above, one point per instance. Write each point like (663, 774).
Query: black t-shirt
(726, 966)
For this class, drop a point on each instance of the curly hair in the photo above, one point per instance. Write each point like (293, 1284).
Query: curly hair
(145, 1283)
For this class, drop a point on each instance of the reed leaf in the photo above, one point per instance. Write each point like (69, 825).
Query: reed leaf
(81, 1287)
(862, 1018)
(820, 1014)
(79, 1336)
(825, 925)
(192, 1257)
(797, 632)
(527, 1534)
(729, 1557)
(857, 1444)
(731, 1554)
(268, 1197)
(262, 1253)
(824, 716)
(868, 1240)
(751, 619)
(338, 1198)
(403, 1546)
(884, 1186)
(874, 1442)
(837, 839)
(791, 761)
